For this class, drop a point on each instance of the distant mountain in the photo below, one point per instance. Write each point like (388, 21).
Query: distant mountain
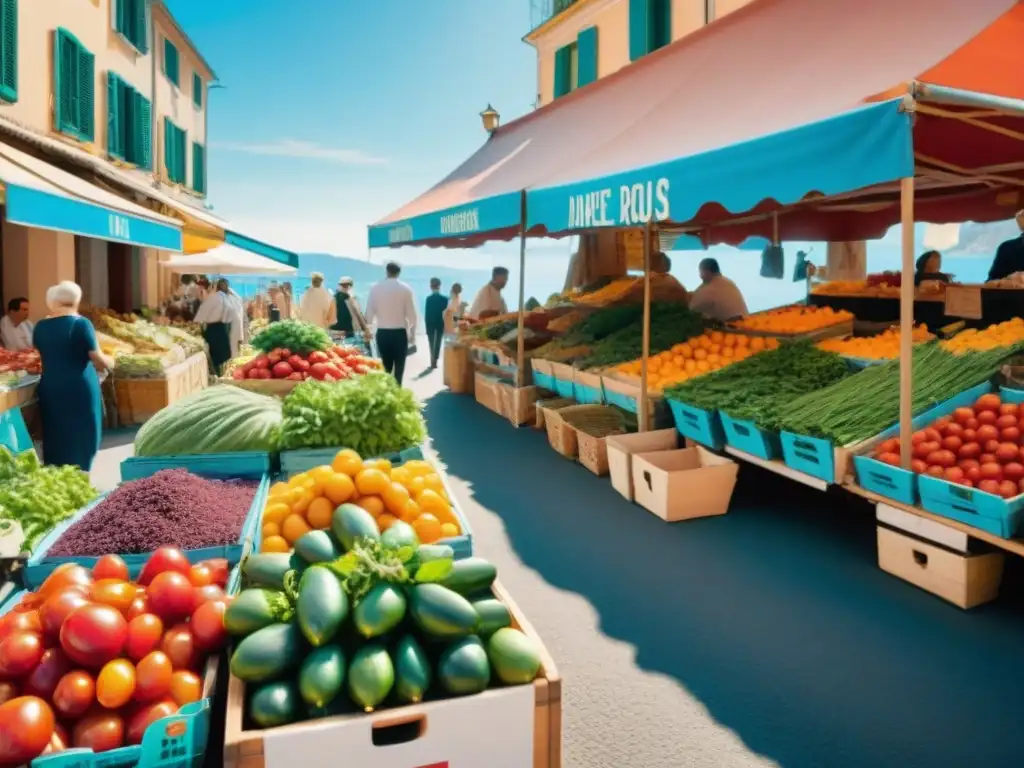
(365, 273)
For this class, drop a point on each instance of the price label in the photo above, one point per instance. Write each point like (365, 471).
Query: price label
(963, 301)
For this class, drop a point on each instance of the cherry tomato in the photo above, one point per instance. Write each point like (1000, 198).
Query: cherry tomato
(67, 575)
(44, 678)
(153, 677)
(100, 732)
(8, 691)
(74, 694)
(171, 595)
(57, 607)
(139, 606)
(207, 594)
(207, 625)
(220, 570)
(115, 683)
(26, 725)
(110, 567)
(20, 653)
(164, 559)
(20, 621)
(145, 716)
(180, 647)
(113, 592)
(93, 635)
(201, 574)
(186, 687)
(144, 634)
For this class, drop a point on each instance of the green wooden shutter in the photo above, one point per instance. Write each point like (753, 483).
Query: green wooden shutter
(9, 50)
(197, 90)
(86, 93)
(661, 23)
(586, 53)
(139, 26)
(563, 71)
(639, 28)
(182, 157)
(115, 116)
(198, 168)
(143, 131)
(171, 61)
(168, 148)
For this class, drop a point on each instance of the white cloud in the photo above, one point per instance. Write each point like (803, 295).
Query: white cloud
(303, 149)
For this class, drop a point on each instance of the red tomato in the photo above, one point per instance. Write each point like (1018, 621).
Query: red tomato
(1008, 489)
(93, 635)
(220, 569)
(971, 424)
(113, 592)
(144, 634)
(20, 653)
(986, 418)
(145, 716)
(988, 485)
(1007, 452)
(57, 607)
(171, 595)
(110, 567)
(100, 732)
(941, 423)
(966, 464)
(963, 415)
(26, 725)
(917, 437)
(921, 450)
(1009, 408)
(164, 559)
(180, 647)
(1008, 420)
(954, 430)
(201, 574)
(936, 471)
(987, 432)
(991, 446)
(1010, 434)
(139, 606)
(987, 402)
(969, 435)
(153, 677)
(952, 443)
(955, 474)
(1013, 471)
(186, 687)
(207, 623)
(918, 466)
(892, 445)
(20, 621)
(932, 435)
(969, 451)
(74, 694)
(991, 471)
(67, 575)
(208, 593)
(987, 458)
(44, 678)
(8, 691)
(973, 474)
(941, 458)
(115, 683)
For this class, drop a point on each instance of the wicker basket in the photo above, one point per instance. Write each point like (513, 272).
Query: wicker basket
(518, 404)
(593, 452)
(561, 435)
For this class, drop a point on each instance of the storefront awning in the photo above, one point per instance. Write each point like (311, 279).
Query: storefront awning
(37, 194)
(226, 260)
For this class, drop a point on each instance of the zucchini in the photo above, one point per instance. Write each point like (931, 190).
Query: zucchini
(470, 576)
(322, 605)
(442, 613)
(380, 611)
(267, 653)
(370, 676)
(514, 657)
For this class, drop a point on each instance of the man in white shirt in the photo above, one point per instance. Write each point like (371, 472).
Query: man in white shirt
(717, 296)
(315, 305)
(392, 306)
(488, 301)
(15, 328)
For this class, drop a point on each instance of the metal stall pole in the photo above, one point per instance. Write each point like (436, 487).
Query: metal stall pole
(645, 348)
(521, 339)
(907, 321)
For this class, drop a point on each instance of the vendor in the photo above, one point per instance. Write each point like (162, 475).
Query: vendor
(348, 318)
(717, 296)
(488, 301)
(215, 315)
(1010, 255)
(929, 268)
(15, 327)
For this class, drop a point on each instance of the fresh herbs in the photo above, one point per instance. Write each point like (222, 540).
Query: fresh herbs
(293, 335)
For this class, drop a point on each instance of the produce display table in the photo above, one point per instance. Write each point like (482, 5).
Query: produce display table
(997, 306)
(13, 429)
(138, 400)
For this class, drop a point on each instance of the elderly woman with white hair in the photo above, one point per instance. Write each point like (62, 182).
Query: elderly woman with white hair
(69, 392)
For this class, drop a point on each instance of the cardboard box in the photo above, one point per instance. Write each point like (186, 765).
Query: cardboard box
(622, 447)
(684, 484)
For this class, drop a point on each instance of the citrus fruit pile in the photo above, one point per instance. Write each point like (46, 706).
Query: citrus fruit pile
(793, 320)
(1005, 334)
(412, 492)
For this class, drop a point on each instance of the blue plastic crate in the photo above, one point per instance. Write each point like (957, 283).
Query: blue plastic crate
(811, 455)
(587, 395)
(699, 425)
(1011, 395)
(886, 480)
(621, 400)
(305, 459)
(213, 465)
(565, 388)
(970, 506)
(39, 566)
(744, 435)
(544, 381)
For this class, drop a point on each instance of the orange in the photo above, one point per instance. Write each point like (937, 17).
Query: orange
(277, 489)
(395, 498)
(276, 512)
(275, 544)
(271, 529)
(409, 511)
(401, 475)
(348, 462)
(427, 527)
(294, 528)
(301, 504)
(448, 530)
(372, 504)
(385, 521)
(339, 488)
(319, 513)
(372, 481)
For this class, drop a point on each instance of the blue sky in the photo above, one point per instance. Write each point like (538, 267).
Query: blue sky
(334, 114)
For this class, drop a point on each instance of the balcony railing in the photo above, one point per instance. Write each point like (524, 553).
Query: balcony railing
(542, 11)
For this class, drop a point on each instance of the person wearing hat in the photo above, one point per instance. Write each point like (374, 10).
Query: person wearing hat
(315, 305)
(347, 316)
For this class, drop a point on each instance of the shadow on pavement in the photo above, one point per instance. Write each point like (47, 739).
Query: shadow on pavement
(775, 616)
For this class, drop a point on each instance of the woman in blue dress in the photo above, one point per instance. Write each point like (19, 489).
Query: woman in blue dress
(69, 391)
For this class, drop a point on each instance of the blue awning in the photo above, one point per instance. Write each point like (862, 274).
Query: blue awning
(43, 196)
(850, 151)
(486, 215)
(261, 249)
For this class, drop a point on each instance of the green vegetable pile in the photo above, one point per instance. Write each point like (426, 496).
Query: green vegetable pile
(865, 404)
(294, 335)
(39, 497)
(356, 619)
(754, 389)
(371, 414)
(139, 367)
(671, 324)
(494, 330)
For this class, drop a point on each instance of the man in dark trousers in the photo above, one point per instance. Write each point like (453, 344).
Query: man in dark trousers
(1010, 255)
(433, 318)
(392, 306)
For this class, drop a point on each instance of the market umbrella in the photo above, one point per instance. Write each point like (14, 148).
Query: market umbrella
(227, 260)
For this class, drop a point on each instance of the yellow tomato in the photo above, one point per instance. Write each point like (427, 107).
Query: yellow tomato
(347, 462)
(340, 488)
(275, 544)
(372, 480)
(448, 530)
(395, 497)
(372, 504)
(319, 513)
(294, 528)
(427, 527)
(276, 513)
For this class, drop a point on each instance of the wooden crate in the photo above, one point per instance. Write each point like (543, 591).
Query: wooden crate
(485, 389)
(138, 400)
(17, 397)
(593, 452)
(518, 404)
(273, 387)
(326, 742)
(458, 368)
(561, 435)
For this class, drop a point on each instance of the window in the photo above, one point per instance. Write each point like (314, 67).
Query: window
(9, 50)
(566, 69)
(171, 61)
(129, 123)
(175, 145)
(586, 54)
(650, 26)
(130, 23)
(199, 168)
(197, 90)
(74, 87)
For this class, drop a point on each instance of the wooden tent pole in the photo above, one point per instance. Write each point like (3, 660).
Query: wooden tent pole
(907, 320)
(521, 338)
(645, 348)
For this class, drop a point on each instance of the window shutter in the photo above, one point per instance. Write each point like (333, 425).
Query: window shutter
(661, 33)
(182, 154)
(9, 51)
(198, 168)
(586, 52)
(86, 93)
(139, 25)
(65, 73)
(639, 28)
(168, 149)
(143, 131)
(170, 61)
(563, 70)
(197, 90)
(115, 103)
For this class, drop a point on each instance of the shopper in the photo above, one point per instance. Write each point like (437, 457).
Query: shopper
(15, 327)
(717, 296)
(392, 306)
(345, 309)
(215, 315)
(235, 316)
(453, 313)
(69, 391)
(315, 305)
(488, 301)
(433, 317)
(1010, 255)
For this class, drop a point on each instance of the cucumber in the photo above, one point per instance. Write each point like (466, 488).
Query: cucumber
(428, 552)
(470, 576)
(399, 535)
(267, 653)
(412, 671)
(322, 676)
(274, 704)
(256, 608)
(380, 611)
(514, 656)
(493, 616)
(464, 668)
(370, 676)
(317, 547)
(322, 605)
(350, 523)
(441, 613)
(266, 569)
